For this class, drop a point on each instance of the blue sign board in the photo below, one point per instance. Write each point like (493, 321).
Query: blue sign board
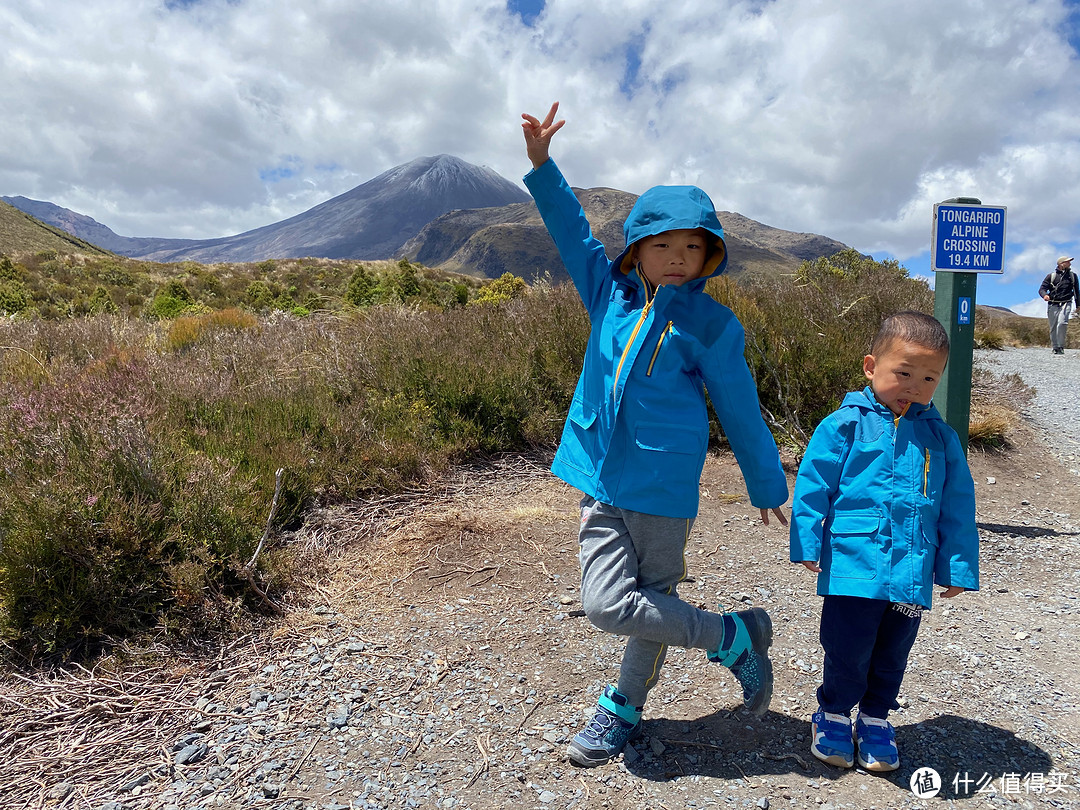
(968, 238)
(963, 311)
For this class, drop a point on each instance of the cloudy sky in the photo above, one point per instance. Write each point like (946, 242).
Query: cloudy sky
(202, 118)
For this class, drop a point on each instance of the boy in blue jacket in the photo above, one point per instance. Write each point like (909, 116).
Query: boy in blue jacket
(884, 508)
(635, 439)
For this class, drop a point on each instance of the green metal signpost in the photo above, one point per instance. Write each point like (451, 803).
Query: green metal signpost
(968, 239)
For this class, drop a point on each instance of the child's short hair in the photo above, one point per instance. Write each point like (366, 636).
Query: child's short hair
(912, 327)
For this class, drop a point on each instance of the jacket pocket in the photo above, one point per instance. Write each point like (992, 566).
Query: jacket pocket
(854, 544)
(578, 447)
(667, 438)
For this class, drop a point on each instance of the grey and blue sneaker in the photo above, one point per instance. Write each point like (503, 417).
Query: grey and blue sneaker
(613, 725)
(877, 744)
(832, 742)
(745, 651)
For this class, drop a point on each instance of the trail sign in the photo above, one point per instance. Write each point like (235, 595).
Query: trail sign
(968, 238)
(963, 311)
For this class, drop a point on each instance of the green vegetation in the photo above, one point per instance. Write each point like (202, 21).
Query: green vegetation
(144, 411)
(53, 285)
(22, 232)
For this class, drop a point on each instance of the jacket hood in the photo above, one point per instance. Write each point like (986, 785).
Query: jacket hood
(866, 401)
(670, 208)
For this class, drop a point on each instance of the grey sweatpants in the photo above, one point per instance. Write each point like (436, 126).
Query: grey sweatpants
(631, 566)
(1058, 315)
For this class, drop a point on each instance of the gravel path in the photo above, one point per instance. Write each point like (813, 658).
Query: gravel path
(1056, 380)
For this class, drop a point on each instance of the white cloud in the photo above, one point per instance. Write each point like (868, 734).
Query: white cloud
(1035, 308)
(848, 119)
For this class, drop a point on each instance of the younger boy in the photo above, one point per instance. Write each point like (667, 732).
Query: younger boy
(635, 439)
(884, 508)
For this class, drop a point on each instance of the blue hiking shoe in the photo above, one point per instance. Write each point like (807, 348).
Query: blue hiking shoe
(832, 741)
(877, 744)
(611, 728)
(745, 651)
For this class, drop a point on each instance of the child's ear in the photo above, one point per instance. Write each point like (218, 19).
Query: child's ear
(868, 364)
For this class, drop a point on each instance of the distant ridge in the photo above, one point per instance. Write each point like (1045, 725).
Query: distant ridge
(371, 221)
(441, 212)
(513, 239)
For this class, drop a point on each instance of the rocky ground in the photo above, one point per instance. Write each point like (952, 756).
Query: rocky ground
(443, 662)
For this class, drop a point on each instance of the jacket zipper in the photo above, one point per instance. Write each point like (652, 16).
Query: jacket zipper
(656, 351)
(633, 336)
(926, 473)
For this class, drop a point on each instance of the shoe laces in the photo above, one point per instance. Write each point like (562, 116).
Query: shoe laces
(602, 721)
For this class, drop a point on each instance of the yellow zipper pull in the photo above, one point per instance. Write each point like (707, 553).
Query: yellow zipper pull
(656, 351)
(926, 474)
(649, 298)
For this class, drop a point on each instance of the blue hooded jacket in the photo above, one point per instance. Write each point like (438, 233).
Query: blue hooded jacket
(885, 504)
(637, 431)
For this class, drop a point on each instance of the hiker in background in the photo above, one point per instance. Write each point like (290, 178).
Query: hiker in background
(1060, 290)
(635, 439)
(884, 509)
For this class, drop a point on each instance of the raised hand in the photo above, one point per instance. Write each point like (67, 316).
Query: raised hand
(538, 134)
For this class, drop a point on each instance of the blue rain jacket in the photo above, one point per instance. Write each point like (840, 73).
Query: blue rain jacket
(637, 431)
(886, 505)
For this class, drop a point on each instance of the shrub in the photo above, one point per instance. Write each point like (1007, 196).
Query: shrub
(361, 288)
(992, 338)
(504, 288)
(14, 297)
(99, 506)
(101, 302)
(260, 295)
(8, 270)
(186, 331)
(171, 300)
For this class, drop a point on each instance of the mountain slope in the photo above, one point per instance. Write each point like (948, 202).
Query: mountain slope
(513, 239)
(21, 232)
(371, 221)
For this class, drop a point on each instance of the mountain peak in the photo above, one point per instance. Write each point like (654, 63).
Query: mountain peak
(371, 221)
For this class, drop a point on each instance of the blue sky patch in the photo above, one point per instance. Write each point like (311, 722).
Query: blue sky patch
(290, 166)
(528, 10)
(629, 80)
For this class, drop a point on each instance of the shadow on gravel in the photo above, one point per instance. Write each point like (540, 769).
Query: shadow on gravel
(1022, 531)
(735, 745)
(960, 749)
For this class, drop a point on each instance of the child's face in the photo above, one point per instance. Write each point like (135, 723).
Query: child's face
(672, 257)
(904, 373)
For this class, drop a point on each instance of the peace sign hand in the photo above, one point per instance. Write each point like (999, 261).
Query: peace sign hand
(538, 135)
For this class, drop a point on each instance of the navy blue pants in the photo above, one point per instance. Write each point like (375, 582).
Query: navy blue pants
(866, 643)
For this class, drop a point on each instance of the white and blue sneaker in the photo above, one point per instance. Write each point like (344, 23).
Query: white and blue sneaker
(613, 725)
(745, 651)
(832, 740)
(877, 744)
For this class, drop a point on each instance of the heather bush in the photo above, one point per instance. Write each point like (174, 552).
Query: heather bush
(101, 510)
